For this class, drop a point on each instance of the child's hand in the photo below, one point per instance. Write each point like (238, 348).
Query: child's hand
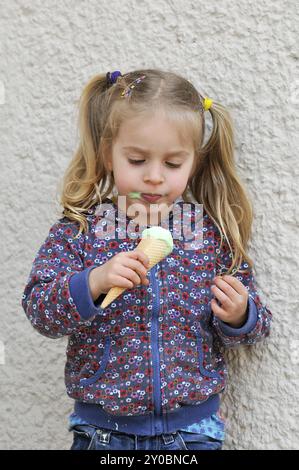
(126, 269)
(233, 297)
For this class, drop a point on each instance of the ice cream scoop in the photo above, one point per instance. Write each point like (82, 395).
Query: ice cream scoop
(156, 242)
(159, 233)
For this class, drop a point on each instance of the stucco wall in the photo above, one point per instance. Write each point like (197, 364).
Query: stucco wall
(243, 53)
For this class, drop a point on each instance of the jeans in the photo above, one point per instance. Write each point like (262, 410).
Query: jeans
(87, 437)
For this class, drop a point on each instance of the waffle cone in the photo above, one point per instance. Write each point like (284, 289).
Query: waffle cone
(155, 249)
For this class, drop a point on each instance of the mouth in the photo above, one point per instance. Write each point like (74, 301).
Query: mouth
(149, 197)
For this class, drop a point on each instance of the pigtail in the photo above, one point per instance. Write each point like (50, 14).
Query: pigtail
(86, 175)
(217, 186)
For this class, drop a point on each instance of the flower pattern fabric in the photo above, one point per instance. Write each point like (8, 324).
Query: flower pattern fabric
(155, 348)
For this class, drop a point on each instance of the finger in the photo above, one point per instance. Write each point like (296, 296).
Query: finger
(230, 292)
(137, 266)
(130, 274)
(235, 283)
(141, 271)
(218, 311)
(142, 257)
(121, 281)
(221, 296)
(131, 259)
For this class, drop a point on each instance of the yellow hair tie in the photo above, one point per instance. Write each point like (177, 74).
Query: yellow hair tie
(207, 103)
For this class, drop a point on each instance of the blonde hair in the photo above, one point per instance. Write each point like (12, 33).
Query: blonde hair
(213, 182)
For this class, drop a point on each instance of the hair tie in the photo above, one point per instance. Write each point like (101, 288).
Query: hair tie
(207, 103)
(112, 77)
(128, 90)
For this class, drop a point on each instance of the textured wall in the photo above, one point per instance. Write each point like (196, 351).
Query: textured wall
(243, 53)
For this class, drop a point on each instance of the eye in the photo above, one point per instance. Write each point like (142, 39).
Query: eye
(173, 165)
(137, 162)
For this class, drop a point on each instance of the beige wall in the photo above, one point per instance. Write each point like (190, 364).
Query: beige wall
(242, 53)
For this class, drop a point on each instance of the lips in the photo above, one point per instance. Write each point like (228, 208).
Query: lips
(151, 197)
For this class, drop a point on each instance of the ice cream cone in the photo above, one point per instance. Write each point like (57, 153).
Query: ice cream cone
(155, 248)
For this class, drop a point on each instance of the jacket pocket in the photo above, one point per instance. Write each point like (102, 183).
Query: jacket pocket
(204, 355)
(102, 365)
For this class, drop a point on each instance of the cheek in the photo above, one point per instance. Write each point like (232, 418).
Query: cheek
(178, 179)
(124, 177)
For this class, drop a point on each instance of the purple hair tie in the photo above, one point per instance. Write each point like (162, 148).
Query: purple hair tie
(112, 77)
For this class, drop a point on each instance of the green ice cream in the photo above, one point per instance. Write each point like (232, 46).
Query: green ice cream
(135, 195)
(160, 233)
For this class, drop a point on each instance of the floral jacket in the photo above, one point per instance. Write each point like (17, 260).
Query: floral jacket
(155, 348)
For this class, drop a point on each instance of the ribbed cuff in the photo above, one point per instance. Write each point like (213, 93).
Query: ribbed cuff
(80, 292)
(249, 325)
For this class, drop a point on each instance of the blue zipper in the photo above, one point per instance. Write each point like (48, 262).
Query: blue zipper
(155, 353)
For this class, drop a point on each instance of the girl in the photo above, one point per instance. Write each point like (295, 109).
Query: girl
(147, 371)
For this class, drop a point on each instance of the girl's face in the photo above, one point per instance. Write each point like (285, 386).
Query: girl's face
(150, 157)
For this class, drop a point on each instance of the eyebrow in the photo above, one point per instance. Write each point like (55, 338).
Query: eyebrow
(146, 152)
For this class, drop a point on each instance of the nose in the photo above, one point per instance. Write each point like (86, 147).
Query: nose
(153, 174)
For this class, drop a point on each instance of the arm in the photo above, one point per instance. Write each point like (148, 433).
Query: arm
(256, 323)
(57, 299)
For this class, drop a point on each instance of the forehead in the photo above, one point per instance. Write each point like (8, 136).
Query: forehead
(154, 128)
